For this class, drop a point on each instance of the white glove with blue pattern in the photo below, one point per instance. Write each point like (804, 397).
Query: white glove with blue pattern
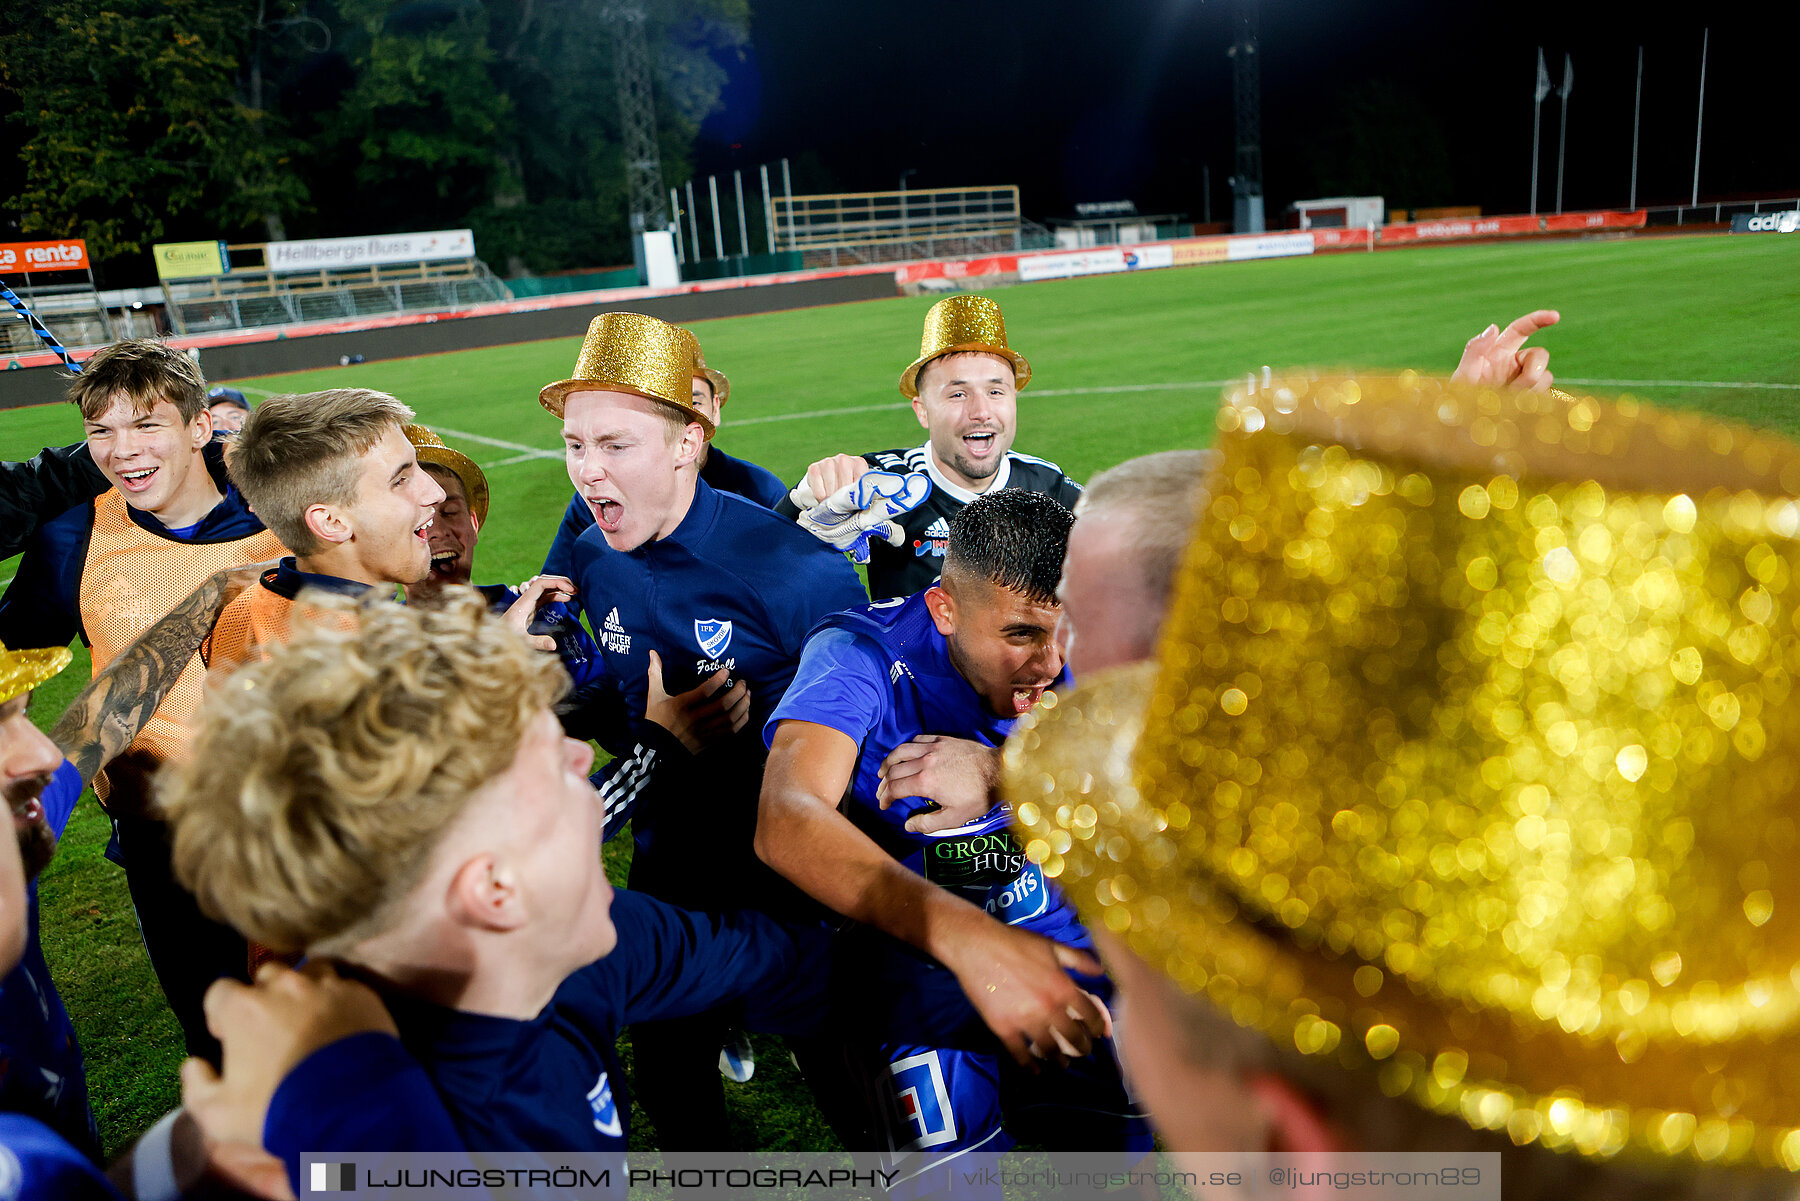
(860, 512)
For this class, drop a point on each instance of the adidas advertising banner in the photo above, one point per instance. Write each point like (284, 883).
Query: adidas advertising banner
(1785, 222)
(949, 1176)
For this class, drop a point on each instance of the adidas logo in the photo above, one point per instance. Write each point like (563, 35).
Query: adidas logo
(613, 636)
(938, 529)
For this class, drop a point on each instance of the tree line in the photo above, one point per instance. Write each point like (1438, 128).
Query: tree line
(130, 122)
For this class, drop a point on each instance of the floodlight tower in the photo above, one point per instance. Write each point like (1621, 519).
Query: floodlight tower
(1246, 97)
(637, 121)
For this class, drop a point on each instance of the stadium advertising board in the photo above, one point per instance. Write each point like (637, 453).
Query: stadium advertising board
(1206, 250)
(1140, 258)
(1268, 246)
(329, 254)
(1766, 223)
(190, 260)
(1438, 231)
(68, 254)
(912, 273)
(1500, 227)
(1076, 262)
(1563, 222)
(1340, 239)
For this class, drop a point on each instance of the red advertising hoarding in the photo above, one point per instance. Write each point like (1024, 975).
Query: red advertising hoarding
(68, 254)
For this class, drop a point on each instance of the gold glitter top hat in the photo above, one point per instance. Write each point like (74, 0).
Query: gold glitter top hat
(629, 352)
(1469, 760)
(21, 671)
(960, 324)
(431, 449)
(721, 387)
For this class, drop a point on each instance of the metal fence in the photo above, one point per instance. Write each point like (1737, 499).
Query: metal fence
(245, 299)
(75, 314)
(847, 228)
(1718, 213)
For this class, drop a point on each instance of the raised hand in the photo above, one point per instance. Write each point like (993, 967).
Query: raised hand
(1497, 357)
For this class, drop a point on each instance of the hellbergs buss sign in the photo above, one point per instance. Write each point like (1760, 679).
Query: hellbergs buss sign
(335, 254)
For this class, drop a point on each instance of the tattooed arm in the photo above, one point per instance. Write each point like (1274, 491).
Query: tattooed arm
(108, 714)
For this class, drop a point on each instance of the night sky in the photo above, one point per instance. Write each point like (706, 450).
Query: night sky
(1127, 99)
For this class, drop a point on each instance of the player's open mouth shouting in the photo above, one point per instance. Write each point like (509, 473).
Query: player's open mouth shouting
(981, 442)
(609, 514)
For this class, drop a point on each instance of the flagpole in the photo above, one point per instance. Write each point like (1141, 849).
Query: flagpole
(1537, 116)
(1637, 107)
(1562, 141)
(1700, 116)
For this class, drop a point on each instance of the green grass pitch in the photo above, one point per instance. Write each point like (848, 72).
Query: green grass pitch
(1122, 365)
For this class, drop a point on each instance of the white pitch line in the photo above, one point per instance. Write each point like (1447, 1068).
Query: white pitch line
(532, 457)
(882, 408)
(525, 452)
(1198, 383)
(1678, 383)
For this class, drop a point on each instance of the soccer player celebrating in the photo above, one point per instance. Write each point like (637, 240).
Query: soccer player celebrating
(41, 779)
(334, 474)
(460, 515)
(964, 388)
(723, 472)
(681, 581)
(962, 659)
(108, 569)
(391, 789)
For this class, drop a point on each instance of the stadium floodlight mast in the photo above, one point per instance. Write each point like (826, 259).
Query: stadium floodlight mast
(1246, 95)
(637, 122)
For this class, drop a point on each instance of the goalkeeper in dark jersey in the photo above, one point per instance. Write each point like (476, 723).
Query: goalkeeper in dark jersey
(964, 388)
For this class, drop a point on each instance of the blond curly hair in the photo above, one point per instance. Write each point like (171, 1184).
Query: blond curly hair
(320, 779)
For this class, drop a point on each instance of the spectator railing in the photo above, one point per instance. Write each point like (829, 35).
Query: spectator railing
(846, 228)
(259, 297)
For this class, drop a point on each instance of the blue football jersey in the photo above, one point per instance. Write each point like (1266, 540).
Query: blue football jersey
(41, 1072)
(882, 675)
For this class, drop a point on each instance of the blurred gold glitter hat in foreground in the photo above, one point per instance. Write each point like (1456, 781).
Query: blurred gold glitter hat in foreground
(1470, 760)
(431, 449)
(721, 387)
(964, 324)
(629, 352)
(21, 671)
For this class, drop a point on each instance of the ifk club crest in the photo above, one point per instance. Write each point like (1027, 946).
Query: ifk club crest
(712, 635)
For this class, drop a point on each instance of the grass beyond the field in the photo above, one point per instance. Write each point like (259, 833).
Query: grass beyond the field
(1122, 367)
